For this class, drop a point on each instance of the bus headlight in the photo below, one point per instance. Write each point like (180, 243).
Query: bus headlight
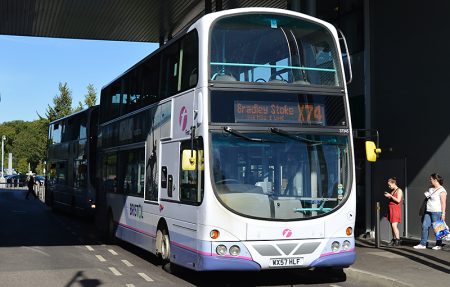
(335, 246)
(221, 250)
(235, 250)
(346, 245)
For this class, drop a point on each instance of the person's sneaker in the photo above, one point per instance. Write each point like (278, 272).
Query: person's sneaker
(437, 247)
(420, 246)
(392, 243)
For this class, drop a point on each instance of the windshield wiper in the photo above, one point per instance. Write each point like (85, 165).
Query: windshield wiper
(298, 138)
(240, 135)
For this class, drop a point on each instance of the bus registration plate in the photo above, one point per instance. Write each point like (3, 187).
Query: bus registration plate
(286, 262)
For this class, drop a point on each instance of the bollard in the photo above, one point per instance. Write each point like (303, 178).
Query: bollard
(377, 228)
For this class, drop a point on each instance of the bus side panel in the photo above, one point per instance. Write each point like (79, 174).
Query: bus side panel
(138, 223)
(181, 216)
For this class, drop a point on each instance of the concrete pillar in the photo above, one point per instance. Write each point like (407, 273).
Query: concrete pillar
(219, 5)
(295, 5)
(304, 6)
(311, 8)
(10, 163)
(208, 6)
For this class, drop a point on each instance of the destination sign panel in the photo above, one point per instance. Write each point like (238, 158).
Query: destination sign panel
(280, 112)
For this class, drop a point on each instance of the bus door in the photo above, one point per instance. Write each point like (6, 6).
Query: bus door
(169, 170)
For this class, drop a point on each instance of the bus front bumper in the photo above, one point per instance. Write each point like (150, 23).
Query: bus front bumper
(343, 259)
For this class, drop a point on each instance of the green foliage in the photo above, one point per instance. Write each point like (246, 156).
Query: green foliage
(40, 168)
(22, 165)
(27, 141)
(91, 97)
(62, 104)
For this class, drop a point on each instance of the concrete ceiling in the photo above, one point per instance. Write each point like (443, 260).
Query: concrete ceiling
(119, 20)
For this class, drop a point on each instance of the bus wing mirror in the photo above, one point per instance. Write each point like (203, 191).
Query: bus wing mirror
(372, 151)
(189, 160)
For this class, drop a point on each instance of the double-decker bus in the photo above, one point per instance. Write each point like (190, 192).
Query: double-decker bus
(71, 162)
(229, 148)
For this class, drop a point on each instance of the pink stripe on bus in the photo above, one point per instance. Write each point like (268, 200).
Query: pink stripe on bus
(137, 230)
(332, 253)
(184, 246)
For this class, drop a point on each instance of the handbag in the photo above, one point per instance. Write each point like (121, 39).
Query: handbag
(423, 207)
(440, 229)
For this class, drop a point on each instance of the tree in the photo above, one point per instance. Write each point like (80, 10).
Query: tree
(91, 97)
(40, 168)
(62, 104)
(27, 141)
(22, 165)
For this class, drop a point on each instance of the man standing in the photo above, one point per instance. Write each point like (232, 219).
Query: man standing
(31, 183)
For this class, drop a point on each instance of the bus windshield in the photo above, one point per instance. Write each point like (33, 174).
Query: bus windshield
(280, 175)
(271, 48)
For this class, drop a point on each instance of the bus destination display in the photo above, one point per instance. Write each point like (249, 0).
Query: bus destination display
(280, 112)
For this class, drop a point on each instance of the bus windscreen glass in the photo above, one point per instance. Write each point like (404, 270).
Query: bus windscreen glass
(271, 48)
(280, 175)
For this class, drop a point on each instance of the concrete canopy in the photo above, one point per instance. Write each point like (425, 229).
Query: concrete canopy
(119, 20)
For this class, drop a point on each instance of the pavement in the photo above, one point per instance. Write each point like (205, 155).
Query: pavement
(399, 266)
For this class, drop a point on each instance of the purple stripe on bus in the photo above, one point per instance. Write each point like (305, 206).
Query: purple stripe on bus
(334, 253)
(342, 259)
(137, 230)
(184, 246)
(208, 253)
(196, 261)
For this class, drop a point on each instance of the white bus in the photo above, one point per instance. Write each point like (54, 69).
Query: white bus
(229, 148)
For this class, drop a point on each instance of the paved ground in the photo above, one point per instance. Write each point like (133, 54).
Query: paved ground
(41, 248)
(400, 266)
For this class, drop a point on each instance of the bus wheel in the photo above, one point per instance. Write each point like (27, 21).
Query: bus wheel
(163, 250)
(164, 245)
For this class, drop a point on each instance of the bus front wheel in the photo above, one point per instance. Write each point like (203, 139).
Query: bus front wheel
(163, 245)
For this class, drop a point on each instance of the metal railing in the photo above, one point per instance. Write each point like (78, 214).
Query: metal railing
(22, 185)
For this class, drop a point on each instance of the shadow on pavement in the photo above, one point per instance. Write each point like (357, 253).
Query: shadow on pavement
(286, 277)
(263, 278)
(417, 256)
(32, 223)
(29, 222)
(80, 279)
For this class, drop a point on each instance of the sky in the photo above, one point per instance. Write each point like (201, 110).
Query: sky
(31, 69)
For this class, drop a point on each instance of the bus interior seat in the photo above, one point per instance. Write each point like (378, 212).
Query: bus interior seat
(277, 81)
(284, 208)
(254, 204)
(193, 78)
(302, 82)
(265, 186)
(224, 78)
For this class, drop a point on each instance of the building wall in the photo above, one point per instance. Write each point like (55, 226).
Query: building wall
(410, 76)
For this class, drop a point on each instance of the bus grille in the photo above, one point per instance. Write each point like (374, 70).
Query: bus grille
(286, 248)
